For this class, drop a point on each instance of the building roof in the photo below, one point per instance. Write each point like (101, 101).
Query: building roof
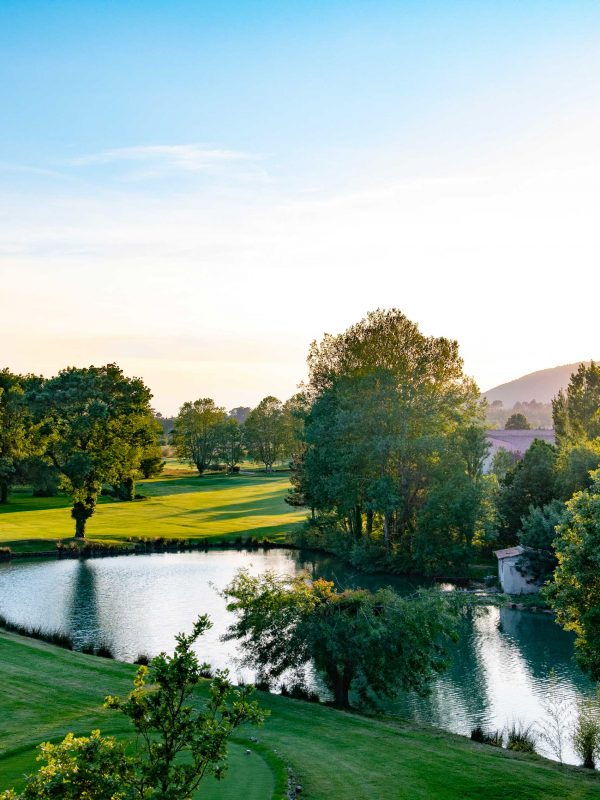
(517, 441)
(509, 552)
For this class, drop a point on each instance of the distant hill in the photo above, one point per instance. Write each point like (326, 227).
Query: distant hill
(541, 386)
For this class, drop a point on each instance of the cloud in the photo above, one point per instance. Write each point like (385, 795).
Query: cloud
(183, 157)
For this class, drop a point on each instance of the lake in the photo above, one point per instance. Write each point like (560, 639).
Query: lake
(136, 605)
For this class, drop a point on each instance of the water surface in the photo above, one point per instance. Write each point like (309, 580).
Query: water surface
(136, 604)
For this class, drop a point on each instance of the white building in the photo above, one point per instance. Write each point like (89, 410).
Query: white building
(511, 580)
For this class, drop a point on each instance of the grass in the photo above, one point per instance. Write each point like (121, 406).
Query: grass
(178, 505)
(48, 691)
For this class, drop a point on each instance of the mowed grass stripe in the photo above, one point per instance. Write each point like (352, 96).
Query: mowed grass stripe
(187, 507)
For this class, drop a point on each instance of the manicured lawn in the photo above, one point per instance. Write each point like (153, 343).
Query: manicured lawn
(178, 505)
(47, 691)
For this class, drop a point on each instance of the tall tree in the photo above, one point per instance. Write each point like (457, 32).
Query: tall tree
(231, 443)
(266, 433)
(385, 403)
(576, 411)
(197, 432)
(16, 429)
(575, 592)
(93, 419)
(531, 482)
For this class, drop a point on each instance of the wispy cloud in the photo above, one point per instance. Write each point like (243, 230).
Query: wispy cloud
(183, 157)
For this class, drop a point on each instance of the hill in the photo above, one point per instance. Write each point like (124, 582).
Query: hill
(47, 691)
(542, 386)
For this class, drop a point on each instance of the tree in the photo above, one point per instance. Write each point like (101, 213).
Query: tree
(532, 482)
(94, 420)
(176, 744)
(575, 592)
(197, 432)
(231, 442)
(503, 461)
(239, 413)
(266, 432)
(16, 429)
(517, 422)
(576, 411)
(371, 643)
(143, 457)
(537, 535)
(385, 403)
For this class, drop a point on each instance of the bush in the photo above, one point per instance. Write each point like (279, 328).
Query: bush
(298, 691)
(5, 553)
(494, 738)
(586, 736)
(52, 637)
(520, 739)
(142, 660)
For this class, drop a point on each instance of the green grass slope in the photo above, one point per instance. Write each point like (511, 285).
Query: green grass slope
(182, 506)
(47, 691)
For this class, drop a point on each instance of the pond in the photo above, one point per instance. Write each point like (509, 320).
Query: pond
(136, 604)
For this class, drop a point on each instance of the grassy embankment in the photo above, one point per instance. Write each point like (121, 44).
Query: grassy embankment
(48, 691)
(177, 505)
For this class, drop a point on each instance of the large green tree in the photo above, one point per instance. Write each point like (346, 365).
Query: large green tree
(198, 430)
(576, 411)
(16, 429)
(95, 424)
(388, 406)
(575, 592)
(370, 643)
(266, 432)
(531, 482)
(231, 443)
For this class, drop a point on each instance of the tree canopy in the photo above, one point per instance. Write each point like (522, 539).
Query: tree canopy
(198, 432)
(575, 593)
(517, 422)
(390, 412)
(95, 426)
(372, 644)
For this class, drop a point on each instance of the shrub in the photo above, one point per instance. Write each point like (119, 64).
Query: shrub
(493, 738)
(586, 735)
(5, 553)
(142, 660)
(52, 637)
(104, 651)
(521, 739)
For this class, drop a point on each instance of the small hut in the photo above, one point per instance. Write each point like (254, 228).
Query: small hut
(511, 579)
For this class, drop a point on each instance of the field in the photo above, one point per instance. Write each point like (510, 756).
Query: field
(177, 505)
(48, 691)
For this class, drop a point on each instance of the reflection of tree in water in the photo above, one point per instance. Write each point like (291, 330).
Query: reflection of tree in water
(458, 700)
(82, 612)
(544, 645)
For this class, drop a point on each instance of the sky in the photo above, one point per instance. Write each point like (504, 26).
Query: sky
(197, 190)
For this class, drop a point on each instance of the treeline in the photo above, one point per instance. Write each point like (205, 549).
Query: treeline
(86, 430)
(206, 436)
(538, 415)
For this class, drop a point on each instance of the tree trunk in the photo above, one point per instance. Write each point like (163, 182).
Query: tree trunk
(369, 521)
(81, 512)
(341, 687)
(4, 492)
(357, 521)
(386, 530)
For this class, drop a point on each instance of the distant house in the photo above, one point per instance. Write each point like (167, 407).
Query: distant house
(511, 580)
(517, 442)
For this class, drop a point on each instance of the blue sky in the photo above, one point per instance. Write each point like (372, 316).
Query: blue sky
(226, 181)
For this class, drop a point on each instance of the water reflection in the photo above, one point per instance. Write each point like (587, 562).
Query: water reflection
(136, 604)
